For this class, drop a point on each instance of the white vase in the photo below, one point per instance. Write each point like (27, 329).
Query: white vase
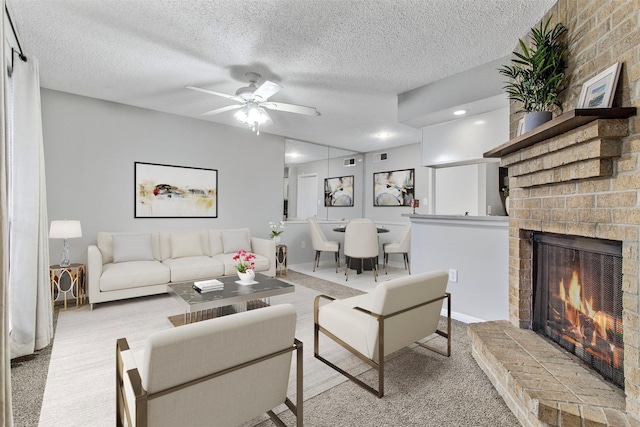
(506, 204)
(276, 239)
(247, 277)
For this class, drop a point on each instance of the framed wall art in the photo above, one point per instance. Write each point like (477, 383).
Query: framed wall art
(165, 191)
(394, 188)
(338, 191)
(598, 92)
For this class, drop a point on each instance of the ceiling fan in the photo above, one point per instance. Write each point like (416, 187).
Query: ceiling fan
(253, 101)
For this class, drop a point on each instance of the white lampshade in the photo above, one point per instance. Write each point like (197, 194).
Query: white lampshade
(65, 229)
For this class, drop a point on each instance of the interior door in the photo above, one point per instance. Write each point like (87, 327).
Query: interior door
(307, 205)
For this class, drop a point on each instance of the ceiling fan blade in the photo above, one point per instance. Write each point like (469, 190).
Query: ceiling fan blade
(222, 110)
(211, 92)
(265, 90)
(291, 108)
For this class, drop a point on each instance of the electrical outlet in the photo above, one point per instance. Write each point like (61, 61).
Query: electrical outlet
(303, 244)
(489, 210)
(453, 275)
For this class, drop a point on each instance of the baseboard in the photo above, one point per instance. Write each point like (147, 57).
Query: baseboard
(461, 317)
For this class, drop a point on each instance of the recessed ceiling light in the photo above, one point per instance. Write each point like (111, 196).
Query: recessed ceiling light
(383, 135)
(479, 122)
(459, 112)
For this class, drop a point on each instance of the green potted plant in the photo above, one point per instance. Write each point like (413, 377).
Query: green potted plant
(537, 73)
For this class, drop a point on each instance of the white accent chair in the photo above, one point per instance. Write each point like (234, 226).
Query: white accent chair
(396, 314)
(222, 372)
(402, 245)
(321, 244)
(361, 243)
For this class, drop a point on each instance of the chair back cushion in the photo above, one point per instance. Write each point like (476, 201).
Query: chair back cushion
(106, 246)
(361, 239)
(175, 356)
(398, 294)
(317, 236)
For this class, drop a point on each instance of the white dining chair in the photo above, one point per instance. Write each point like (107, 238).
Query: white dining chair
(361, 242)
(402, 245)
(321, 244)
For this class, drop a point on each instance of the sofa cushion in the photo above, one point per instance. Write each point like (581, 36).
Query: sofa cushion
(235, 240)
(261, 263)
(194, 268)
(105, 244)
(186, 245)
(133, 274)
(132, 247)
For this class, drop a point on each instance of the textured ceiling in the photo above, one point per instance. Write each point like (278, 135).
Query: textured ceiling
(349, 59)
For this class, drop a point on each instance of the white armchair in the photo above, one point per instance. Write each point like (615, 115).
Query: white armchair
(371, 326)
(222, 371)
(402, 245)
(321, 244)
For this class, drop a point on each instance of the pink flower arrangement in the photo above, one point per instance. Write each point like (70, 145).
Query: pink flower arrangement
(245, 261)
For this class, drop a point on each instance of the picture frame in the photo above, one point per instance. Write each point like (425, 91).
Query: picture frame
(598, 92)
(167, 191)
(338, 191)
(393, 188)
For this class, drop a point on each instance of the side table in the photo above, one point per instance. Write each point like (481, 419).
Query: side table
(281, 260)
(68, 280)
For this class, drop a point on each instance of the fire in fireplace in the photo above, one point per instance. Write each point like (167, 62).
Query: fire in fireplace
(578, 299)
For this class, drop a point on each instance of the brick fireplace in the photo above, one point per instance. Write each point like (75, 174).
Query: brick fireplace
(569, 179)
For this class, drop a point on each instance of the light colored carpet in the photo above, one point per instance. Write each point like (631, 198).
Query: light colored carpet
(80, 388)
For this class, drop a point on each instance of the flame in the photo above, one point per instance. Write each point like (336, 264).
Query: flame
(576, 307)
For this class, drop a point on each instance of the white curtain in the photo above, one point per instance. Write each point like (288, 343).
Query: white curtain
(6, 418)
(29, 286)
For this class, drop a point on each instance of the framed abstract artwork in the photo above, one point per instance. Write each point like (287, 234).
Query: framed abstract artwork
(165, 191)
(598, 92)
(338, 191)
(394, 188)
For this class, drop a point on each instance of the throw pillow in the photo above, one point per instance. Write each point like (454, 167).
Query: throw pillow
(186, 244)
(235, 240)
(132, 247)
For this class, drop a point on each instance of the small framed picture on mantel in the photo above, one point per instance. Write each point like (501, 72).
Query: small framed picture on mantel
(598, 92)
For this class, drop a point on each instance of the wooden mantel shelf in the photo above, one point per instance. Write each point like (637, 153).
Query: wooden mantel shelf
(561, 124)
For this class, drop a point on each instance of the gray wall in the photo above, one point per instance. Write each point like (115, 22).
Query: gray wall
(405, 157)
(91, 146)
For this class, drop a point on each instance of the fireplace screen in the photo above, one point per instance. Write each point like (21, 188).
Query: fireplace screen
(578, 299)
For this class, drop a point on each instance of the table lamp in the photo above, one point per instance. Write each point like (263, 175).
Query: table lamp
(65, 230)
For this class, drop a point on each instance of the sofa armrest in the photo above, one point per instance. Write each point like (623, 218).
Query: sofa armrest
(94, 272)
(266, 248)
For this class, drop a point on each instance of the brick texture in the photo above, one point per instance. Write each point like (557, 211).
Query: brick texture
(584, 182)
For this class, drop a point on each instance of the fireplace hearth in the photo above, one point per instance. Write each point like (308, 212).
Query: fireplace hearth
(578, 299)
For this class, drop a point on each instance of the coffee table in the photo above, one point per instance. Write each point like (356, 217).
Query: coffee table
(232, 298)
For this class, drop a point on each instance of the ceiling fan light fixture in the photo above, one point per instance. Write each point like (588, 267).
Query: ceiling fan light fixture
(253, 116)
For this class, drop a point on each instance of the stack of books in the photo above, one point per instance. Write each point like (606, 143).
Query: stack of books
(208, 285)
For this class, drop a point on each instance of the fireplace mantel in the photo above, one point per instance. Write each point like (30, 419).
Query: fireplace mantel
(561, 124)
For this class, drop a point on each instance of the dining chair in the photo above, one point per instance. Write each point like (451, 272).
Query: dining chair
(361, 242)
(321, 244)
(402, 245)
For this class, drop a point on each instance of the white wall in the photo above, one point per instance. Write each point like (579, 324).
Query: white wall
(91, 146)
(479, 250)
(464, 140)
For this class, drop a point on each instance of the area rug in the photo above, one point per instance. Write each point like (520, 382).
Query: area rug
(80, 388)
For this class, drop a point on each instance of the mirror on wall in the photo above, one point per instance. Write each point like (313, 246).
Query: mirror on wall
(321, 181)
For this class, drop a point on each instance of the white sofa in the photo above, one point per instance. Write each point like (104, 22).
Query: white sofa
(126, 265)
